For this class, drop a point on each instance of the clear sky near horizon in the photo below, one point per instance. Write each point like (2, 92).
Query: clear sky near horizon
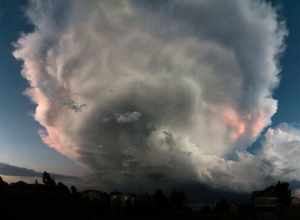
(20, 143)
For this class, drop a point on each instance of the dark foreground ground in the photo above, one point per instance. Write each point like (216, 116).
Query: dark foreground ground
(52, 200)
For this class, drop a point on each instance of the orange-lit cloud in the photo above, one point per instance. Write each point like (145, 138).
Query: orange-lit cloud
(235, 123)
(258, 125)
(53, 137)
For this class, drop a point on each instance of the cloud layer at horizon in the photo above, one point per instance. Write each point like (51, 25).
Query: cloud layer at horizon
(171, 90)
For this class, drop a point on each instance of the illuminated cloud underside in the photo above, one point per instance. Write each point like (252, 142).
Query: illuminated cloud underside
(171, 89)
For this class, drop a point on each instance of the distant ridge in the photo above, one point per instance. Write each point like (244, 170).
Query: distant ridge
(10, 170)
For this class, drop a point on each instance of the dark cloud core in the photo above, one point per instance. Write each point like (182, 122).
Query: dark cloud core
(145, 94)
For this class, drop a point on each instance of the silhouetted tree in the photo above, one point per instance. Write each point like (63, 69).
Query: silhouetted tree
(74, 190)
(116, 202)
(62, 188)
(206, 209)
(47, 179)
(283, 193)
(222, 206)
(2, 182)
(161, 201)
(177, 199)
(144, 204)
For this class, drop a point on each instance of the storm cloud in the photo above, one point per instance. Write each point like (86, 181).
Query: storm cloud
(172, 90)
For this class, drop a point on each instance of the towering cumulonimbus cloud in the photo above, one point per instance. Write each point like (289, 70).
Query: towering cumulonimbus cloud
(152, 91)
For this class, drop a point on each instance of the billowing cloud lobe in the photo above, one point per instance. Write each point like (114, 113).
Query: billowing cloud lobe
(172, 90)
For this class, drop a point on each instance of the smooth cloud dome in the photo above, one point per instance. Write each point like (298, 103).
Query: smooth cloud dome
(153, 91)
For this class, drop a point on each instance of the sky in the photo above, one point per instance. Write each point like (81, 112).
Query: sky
(288, 90)
(90, 116)
(20, 142)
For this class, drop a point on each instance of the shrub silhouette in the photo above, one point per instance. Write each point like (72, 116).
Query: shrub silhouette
(47, 180)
